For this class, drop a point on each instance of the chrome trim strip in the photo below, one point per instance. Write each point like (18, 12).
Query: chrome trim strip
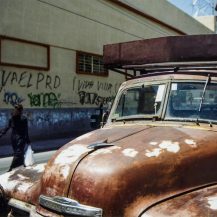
(99, 145)
(69, 206)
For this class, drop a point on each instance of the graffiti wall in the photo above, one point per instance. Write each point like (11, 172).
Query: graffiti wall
(58, 102)
(93, 92)
(48, 90)
(30, 88)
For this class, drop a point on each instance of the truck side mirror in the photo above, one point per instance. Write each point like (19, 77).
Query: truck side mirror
(106, 114)
(104, 118)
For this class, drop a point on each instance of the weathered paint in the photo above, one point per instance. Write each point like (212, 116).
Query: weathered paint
(192, 143)
(198, 203)
(60, 168)
(165, 145)
(13, 179)
(146, 215)
(23, 183)
(212, 201)
(130, 152)
(153, 153)
(153, 143)
(170, 146)
(70, 154)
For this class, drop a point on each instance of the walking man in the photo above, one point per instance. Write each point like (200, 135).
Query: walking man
(19, 135)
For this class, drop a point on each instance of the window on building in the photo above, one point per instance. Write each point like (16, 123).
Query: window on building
(90, 64)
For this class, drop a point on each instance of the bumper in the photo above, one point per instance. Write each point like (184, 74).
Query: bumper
(24, 207)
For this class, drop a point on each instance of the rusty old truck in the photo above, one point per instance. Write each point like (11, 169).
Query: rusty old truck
(155, 156)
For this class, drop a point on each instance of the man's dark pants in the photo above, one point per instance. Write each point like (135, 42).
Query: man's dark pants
(18, 145)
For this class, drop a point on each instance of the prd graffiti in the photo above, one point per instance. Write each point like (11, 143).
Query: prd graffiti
(45, 100)
(93, 98)
(27, 80)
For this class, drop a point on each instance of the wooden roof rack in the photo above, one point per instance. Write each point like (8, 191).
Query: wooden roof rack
(180, 54)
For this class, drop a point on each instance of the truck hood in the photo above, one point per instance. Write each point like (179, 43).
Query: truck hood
(145, 167)
(156, 161)
(59, 170)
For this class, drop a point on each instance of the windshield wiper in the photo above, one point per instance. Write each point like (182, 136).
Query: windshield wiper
(210, 122)
(203, 94)
(202, 98)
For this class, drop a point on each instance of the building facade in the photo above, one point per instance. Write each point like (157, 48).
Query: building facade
(51, 56)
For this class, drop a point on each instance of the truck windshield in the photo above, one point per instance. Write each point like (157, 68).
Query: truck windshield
(140, 101)
(185, 101)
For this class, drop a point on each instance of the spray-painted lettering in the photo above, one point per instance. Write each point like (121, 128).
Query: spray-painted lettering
(93, 98)
(26, 80)
(45, 100)
(83, 85)
(93, 86)
(104, 86)
(12, 98)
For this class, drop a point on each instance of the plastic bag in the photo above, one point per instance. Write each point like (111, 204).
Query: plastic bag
(28, 158)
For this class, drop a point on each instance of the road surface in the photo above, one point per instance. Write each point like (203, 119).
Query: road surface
(39, 158)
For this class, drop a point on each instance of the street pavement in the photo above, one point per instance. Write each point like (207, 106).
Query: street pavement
(43, 150)
(39, 158)
(37, 146)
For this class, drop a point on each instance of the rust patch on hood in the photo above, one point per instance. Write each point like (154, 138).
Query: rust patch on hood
(23, 183)
(199, 203)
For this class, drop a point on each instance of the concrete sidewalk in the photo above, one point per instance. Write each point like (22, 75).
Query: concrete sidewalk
(37, 146)
(41, 157)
